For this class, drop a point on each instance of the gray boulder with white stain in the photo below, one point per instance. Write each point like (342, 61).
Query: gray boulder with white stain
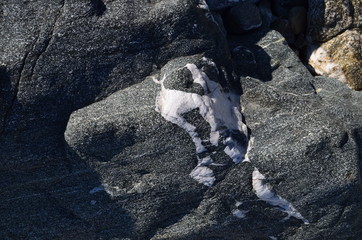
(307, 142)
(57, 57)
(85, 154)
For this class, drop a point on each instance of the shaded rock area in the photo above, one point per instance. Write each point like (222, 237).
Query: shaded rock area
(243, 17)
(86, 152)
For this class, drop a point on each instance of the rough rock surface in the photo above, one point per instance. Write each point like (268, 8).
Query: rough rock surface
(243, 17)
(85, 154)
(341, 58)
(328, 18)
(57, 57)
(308, 145)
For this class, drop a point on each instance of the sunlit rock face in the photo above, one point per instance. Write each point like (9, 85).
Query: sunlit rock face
(340, 58)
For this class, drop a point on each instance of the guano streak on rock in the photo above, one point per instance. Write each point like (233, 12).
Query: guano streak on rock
(219, 109)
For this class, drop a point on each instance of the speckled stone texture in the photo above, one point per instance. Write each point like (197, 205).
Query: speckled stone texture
(328, 18)
(85, 155)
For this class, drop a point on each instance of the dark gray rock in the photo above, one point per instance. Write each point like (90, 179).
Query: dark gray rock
(217, 18)
(59, 56)
(85, 155)
(284, 28)
(305, 142)
(308, 145)
(327, 18)
(140, 165)
(243, 17)
(65, 55)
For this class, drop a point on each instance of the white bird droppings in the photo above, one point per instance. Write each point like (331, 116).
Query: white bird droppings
(264, 192)
(221, 110)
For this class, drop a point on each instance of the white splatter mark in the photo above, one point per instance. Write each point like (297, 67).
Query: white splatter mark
(238, 203)
(240, 213)
(221, 110)
(97, 189)
(203, 5)
(264, 192)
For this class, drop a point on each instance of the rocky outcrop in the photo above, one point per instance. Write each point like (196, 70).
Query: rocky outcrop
(328, 18)
(309, 164)
(60, 56)
(317, 151)
(340, 58)
(334, 32)
(140, 120)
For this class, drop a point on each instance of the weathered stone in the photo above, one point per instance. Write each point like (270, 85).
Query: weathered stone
(85, 155)
(328, 18)
(243, 17)
(340, 58)
(59, 56)
(245, 60)
(217, 18)
(303, 141)
(53, 53)
(284, 28)
(298, 19)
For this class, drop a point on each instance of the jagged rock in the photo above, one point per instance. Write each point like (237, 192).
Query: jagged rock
(243, 17)
(324, 193)
(308, 143)
(60, 56)
(68, 51)
(121, 120)
(245, 59)
(341, 58)
(219, 21)
(328, 18)
(284, 28)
